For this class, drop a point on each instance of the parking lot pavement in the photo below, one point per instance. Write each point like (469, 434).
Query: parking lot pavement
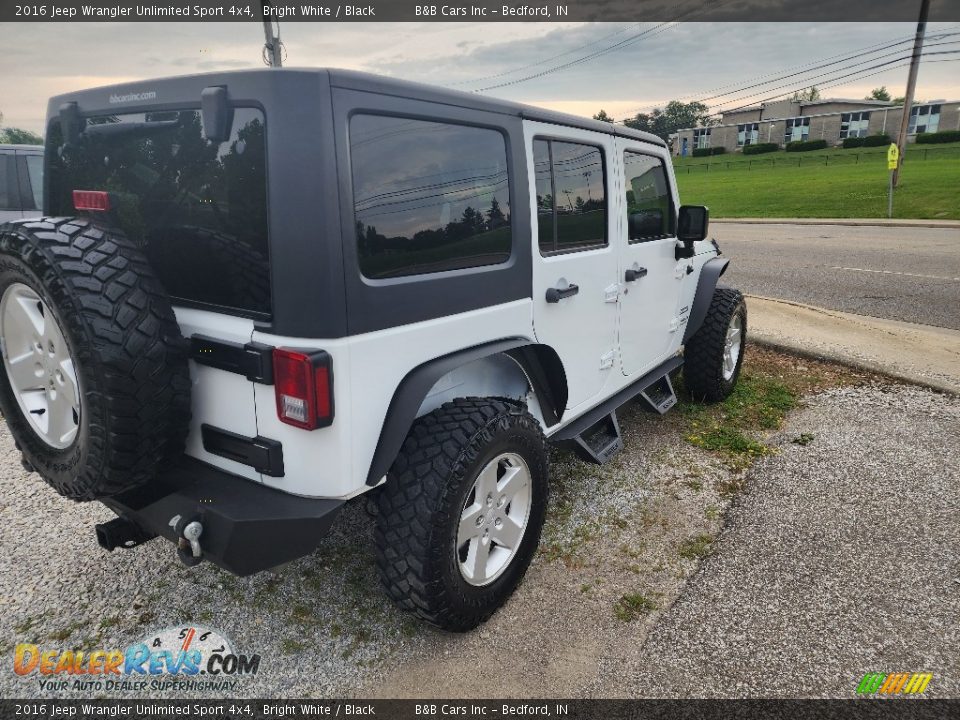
(839, 559)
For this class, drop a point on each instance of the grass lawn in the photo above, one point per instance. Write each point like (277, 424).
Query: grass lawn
(831, 183)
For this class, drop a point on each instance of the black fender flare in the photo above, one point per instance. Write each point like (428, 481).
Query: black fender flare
(534, 360)
(709, 275)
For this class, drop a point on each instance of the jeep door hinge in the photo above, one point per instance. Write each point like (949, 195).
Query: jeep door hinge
(674, 324)
(611, 293)
(606, 361)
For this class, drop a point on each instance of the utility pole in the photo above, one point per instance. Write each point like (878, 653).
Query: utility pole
(911, 86)
(272, 46)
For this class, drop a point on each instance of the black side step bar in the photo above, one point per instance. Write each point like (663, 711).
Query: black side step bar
(600, 442)
(660, 395)
(595, 435)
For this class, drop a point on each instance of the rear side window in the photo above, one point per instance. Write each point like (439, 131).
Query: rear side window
(571, 196)
(9, 198)
(198, 208)
(649, 205)
(428, 196)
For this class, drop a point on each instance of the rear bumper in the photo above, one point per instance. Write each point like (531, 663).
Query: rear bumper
(247, 527)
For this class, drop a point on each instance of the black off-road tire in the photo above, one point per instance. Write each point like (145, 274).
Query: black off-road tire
(703, 355)
(421, 503)
(129, 355)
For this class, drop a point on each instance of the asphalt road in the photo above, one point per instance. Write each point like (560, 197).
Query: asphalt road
(897, 273)
(838, 560)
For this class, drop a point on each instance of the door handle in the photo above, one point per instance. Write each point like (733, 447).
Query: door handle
(555, 295)
(631, 274)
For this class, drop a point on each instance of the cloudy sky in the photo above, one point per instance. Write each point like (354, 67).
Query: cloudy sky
(654, 64)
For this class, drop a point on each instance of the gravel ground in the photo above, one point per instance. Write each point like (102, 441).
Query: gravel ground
(841, 558)
(321, 624)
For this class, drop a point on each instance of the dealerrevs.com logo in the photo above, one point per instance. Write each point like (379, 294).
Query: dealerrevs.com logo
(176, 658)
(133, 97)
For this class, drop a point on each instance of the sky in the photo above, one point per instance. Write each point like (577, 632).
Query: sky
(658, 63)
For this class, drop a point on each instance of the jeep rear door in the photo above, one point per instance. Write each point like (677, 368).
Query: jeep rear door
(199, 211)
(651, 276)
(574, 259)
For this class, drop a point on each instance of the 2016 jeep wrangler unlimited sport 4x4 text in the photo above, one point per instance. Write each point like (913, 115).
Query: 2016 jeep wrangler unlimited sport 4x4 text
(257, 295)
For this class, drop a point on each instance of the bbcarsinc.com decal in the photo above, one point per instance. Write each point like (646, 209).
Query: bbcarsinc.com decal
(189, 657)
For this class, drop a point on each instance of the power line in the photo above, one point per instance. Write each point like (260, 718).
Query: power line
(899, 55)
(868, 50)
(885, 65)
(784, 73)
(545, 60)
(617, 46)
(656, 30)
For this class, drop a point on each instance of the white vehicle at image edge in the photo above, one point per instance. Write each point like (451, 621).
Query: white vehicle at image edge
(257, 295)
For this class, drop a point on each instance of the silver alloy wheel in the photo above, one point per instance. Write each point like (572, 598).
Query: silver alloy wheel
(732, 346)
(494, 519)
(39, 367)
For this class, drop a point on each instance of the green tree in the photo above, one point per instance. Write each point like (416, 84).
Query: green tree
(675, 116)
(900, 100)
(17, 136)
(602, 115)
(880, 93)
(495, 216)
(808, 95)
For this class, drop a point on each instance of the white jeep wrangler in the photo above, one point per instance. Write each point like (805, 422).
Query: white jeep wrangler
(257, 295)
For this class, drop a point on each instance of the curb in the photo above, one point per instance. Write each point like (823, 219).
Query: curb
(856, 222)
(855, 364)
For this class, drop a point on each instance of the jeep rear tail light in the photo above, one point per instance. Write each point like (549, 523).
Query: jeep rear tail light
(303, 380)
(91, 200)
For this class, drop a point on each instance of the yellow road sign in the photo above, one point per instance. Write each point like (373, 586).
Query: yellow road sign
(893, 156)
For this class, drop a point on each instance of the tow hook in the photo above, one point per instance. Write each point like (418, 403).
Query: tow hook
(188, 545)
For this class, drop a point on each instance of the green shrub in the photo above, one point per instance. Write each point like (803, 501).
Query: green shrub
(944, 136)
(760, 148)
(853, 142)
(702, 152)
(876, 140)
(806, 145)
(718, 150)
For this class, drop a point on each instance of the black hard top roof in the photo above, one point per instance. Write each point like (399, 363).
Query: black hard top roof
(352, 80)
(402, 88)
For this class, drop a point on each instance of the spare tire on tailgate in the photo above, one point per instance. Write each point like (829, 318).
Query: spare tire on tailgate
(95, 386)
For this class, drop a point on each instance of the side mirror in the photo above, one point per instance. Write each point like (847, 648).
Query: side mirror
(692, 227)
(216, 114)
(645, 224)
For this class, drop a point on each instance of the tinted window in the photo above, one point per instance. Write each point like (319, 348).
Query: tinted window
(428, 196)
(571, 197)
(199, 208)
(649, 206)
(543, 175)
(9, 198)
(35, 178)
